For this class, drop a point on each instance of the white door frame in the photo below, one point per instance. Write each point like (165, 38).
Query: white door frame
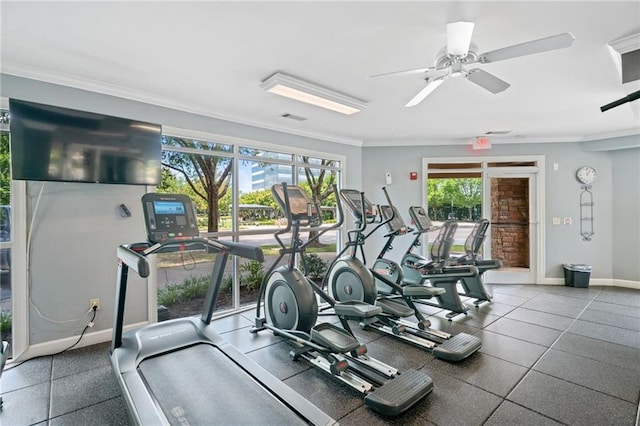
(537, 200)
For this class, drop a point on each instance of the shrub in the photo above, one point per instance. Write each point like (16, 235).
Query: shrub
(251, 274)
(169, 295)
(313, 266)
(5, 321)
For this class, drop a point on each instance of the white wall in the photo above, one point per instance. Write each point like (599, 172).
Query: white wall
(562, 191)
(626, 214)
(76, 229)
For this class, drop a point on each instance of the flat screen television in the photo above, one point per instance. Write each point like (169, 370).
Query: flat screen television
(50, 143)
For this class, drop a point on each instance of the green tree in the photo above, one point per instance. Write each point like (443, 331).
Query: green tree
(319, 184)
(468, 194)
(261, 197)
(207, 176)
(5, 177)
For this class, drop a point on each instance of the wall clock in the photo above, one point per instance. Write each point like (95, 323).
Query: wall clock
(586, 175)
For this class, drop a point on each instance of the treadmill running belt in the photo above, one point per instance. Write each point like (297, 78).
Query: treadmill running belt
(201, 385)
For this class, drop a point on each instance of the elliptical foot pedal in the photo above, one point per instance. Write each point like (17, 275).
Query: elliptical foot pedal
(457, 348)
(335, 338)
(401, 393)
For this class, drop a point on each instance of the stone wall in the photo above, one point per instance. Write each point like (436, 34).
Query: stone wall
(510, 221)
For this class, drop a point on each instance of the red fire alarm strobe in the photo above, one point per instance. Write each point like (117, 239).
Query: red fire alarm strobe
(413, 175)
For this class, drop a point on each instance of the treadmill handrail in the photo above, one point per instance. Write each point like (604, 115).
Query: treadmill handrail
(138, 262)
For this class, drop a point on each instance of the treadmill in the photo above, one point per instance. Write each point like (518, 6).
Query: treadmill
(181, 371)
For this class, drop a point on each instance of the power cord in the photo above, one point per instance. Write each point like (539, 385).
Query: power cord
(89, 325)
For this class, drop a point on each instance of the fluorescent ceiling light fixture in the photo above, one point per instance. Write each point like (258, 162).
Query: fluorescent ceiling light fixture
(430, 87)
(303, 91)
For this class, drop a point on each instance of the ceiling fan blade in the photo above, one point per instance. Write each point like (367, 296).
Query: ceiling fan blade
(546, 44)
(459, 38)
(487, 81)
(405, 72)
(426, 90)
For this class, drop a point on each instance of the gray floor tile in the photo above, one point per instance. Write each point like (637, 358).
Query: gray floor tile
(524, 331)
(510, 414)
(476, 319)
(234, 322)
(510, 349)
(82, 359)
(570, 403)
(616, 381)
(493, 308)
(108, 413)
(398, 354)
(578, 292)
(527, 291)
(29, 373)
(621, 296)
(26, 406)
(612, 319)
(81, 390)
(246, 341)
(599, 350)
(484, 371)
(364, 416)
(276, 360)
(454, 402)
(630, 311)
(606, 333)
(462, 324)
(559, 305)
(543, 319)
(509, 299)
(317, 386)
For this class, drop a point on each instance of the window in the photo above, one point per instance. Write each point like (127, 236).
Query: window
(230, 186)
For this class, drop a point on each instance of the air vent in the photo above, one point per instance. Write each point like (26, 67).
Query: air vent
(498, 132)
(293, 117)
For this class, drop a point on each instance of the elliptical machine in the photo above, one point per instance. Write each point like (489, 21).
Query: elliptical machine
(351, 280)
(291, 310)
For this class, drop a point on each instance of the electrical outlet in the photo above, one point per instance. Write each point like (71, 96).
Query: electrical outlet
(94, 302)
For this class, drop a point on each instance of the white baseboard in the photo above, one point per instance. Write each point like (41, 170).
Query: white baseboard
(604, 282)
(55, 346)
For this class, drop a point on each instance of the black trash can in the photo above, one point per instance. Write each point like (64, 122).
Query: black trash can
(577, 275)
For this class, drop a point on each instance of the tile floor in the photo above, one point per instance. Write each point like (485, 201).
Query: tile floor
(550, 355)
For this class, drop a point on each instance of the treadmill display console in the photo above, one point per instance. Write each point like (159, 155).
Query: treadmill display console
(420, 218)
(169, 216)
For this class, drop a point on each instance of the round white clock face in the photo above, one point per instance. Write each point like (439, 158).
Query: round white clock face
(586, 174)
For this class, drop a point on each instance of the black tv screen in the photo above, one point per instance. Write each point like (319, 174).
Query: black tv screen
(51, 143)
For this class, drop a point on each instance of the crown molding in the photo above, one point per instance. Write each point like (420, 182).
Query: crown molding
(95, 86)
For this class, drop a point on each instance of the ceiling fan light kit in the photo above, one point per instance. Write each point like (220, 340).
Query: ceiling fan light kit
(460, 52)
(310, 93)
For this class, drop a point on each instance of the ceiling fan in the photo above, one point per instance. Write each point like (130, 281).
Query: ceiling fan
(460, 52)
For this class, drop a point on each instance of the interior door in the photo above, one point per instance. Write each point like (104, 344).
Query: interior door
(510, 202)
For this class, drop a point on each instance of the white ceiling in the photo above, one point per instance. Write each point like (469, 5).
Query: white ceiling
(209, 58)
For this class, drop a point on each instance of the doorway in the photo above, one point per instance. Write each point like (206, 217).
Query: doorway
(511, 199)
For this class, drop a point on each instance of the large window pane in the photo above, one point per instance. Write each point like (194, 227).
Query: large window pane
(5, 235)
(455, 198)
(183, 280)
